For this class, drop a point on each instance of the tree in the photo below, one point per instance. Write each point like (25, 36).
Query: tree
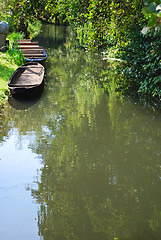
(25, 11)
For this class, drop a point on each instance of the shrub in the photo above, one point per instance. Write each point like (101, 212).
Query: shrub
(143, 57)
(14, 54)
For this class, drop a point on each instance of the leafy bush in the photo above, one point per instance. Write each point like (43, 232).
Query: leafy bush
(14, 54)
(34, 28)
(152, 11)
(143, 57)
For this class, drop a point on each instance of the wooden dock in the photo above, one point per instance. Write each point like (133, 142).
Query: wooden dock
(31, 50)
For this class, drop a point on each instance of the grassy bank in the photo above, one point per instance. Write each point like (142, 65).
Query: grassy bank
(7, 67)
(9, 61)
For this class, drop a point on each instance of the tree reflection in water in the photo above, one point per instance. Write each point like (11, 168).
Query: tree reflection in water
(100, 153)
(100, 182)
(101, 158)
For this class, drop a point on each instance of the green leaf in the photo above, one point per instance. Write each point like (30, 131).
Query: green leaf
(146, 2)
(152, 7)
(152, 21)
(146, 12)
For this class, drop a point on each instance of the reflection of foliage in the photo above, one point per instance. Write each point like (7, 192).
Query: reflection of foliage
(97, 181)
(93, 184)
(3, 123)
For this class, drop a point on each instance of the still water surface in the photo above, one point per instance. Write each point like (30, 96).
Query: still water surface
(78, 163)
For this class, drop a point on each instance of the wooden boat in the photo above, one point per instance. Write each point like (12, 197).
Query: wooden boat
(28, 79)
(38, 57)
(31, 50)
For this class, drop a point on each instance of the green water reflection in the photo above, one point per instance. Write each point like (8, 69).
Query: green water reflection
(101, 154)
(101, 180)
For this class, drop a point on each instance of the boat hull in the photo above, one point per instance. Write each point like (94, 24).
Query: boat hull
(40, 60)
(25, 92)
(27, 80)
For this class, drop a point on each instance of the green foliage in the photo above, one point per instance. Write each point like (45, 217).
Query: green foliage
(143, 57)
(14, 54)
(13, 36)
(152, 11)
(34, 28)
(7, 67)
(20, 14)
(105, 21)
(9, 61)
(106, 25)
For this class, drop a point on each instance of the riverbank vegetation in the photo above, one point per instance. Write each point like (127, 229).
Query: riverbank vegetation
(13, 58)
(6, 70)
(125, 30)
(9, 61)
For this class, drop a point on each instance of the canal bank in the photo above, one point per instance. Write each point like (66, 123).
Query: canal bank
(11, 59)
(7, 67)
(9, 62)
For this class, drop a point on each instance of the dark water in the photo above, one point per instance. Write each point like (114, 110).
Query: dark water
(78, 163)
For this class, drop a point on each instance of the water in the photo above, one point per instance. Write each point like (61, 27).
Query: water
(78, 163)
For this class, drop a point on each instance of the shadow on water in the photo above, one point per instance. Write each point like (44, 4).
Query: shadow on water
(22, 103)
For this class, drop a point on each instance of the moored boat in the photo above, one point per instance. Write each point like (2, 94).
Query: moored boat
(27, 79)
(36, 57)
(31, 50)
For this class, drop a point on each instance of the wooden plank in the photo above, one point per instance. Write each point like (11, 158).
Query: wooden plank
(29, 71)
(27, 43)
(30, 66)
(29, 47)
(23, 40)
(33, 55)
(40, 50)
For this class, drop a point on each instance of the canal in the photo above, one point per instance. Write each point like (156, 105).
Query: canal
(77, 162)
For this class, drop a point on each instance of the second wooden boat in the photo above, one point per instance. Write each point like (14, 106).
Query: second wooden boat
(27, 80)
(36, 57)
(31, 50)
